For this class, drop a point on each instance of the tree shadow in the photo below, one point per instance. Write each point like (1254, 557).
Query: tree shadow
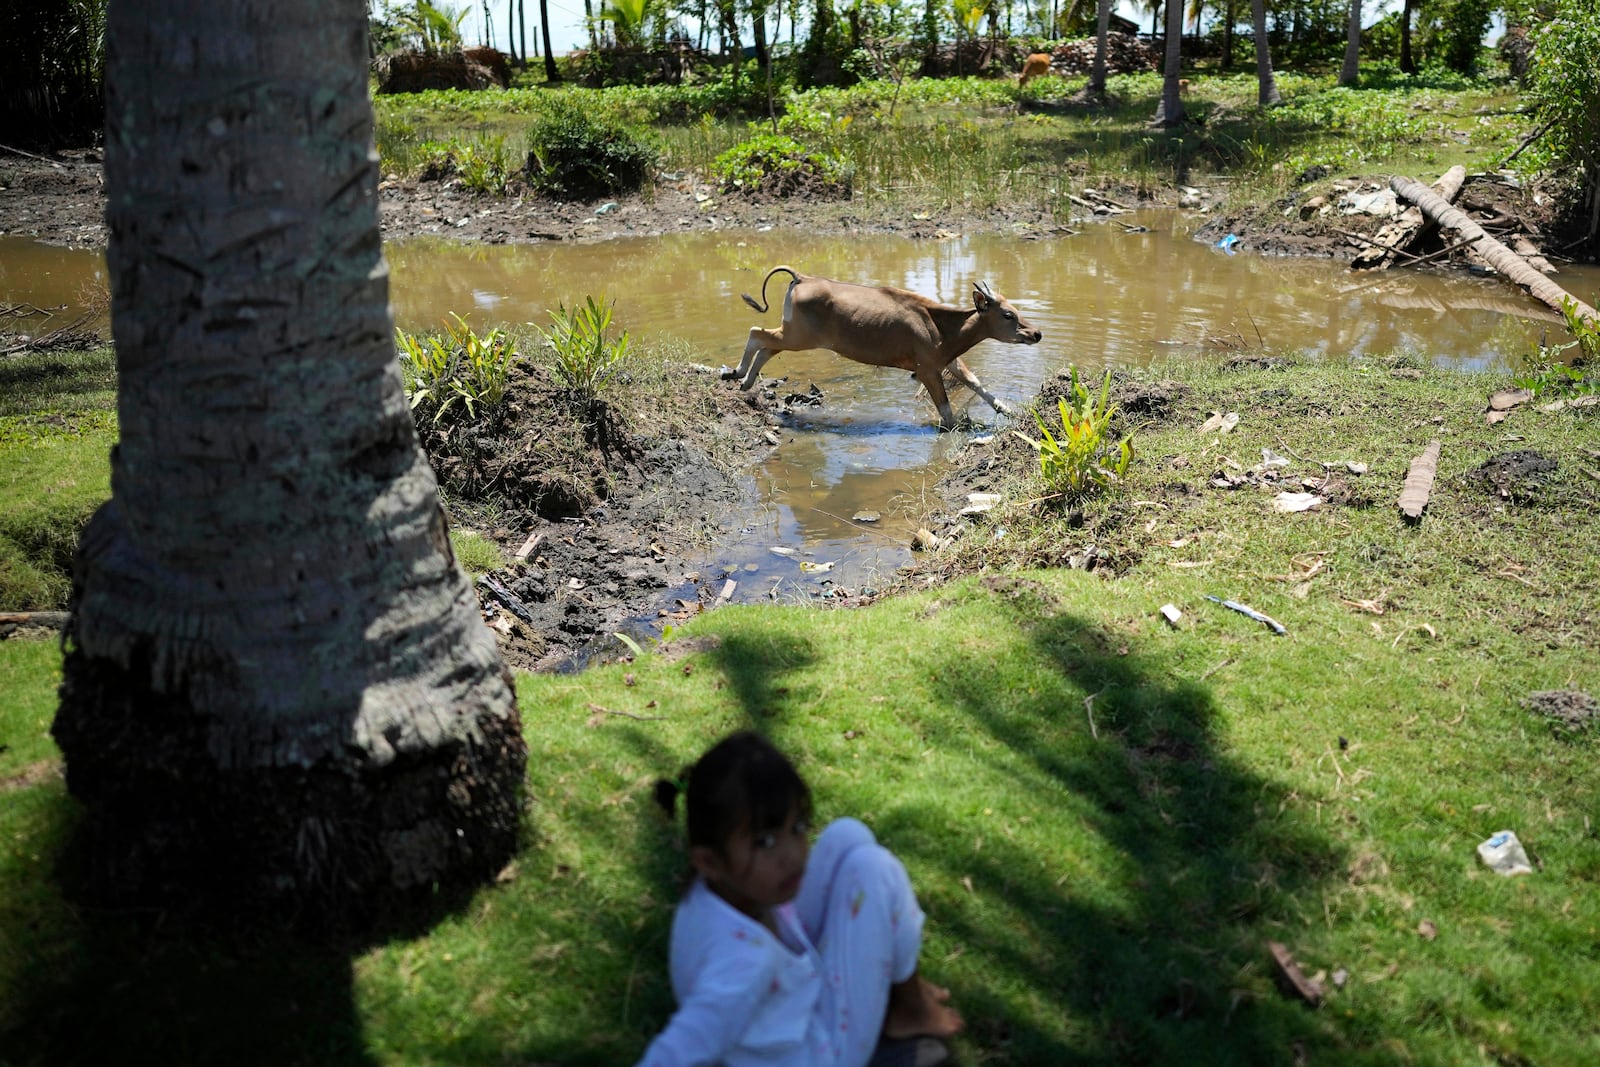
(1153, 950)
(1211, 858)
(84, 984)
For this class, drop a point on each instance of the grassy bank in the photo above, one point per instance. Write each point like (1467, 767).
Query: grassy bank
(1108, 818)
(978, 145)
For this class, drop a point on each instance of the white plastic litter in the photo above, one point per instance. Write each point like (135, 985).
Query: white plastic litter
(1505, 855)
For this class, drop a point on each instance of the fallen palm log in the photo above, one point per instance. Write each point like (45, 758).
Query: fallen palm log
(1411, 227)
(1497, 255)
(1419, 483)
(1530, 252)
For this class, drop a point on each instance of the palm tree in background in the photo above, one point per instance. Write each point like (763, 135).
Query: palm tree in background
(1267, 84)
(1350, 73)
(278, 688)
(1169, 112)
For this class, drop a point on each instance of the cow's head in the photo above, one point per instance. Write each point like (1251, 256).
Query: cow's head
(1002, 321)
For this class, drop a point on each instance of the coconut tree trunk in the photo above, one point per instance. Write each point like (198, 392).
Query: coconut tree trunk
(1170, 111)
(1408, 62)
(1102, 27)
(1229, 16)
(551, 74)
(278, 689)
(1267, 85)
(1350, 73)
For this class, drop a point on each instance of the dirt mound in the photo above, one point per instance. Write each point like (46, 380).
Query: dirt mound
(605, 509)
(1520, 477)
(415, 72)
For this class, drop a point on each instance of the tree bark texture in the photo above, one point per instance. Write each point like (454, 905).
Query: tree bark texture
(1266, 82)
(1169, 112)
(1102, 28)
(278, 682)
(1494, 253)
(1350, 73)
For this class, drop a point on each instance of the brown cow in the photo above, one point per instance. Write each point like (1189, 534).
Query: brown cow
(1036, 65)
(885, 327)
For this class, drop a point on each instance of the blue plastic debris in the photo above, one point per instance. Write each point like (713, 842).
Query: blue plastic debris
(1227, 243)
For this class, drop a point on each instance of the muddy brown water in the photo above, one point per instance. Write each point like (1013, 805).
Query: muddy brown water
(1103, 297)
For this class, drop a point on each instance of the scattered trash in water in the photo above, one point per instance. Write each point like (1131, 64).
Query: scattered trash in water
(1227, 243)
(1505, 855)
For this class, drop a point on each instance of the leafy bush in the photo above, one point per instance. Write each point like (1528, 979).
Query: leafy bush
(1566, 92)
(777, 165)
(483, 165)
(585, 358)
(1082, 461)
(575, 155)
(460, 365)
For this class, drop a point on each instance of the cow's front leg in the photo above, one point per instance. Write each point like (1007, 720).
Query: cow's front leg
(762, 346)
(964, 374)
(932, 380)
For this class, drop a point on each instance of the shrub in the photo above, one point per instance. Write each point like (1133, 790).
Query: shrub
(585, 358)
(1082, 461)
(575, 155)
(1566, 92)
(437, 371)
(777, 165)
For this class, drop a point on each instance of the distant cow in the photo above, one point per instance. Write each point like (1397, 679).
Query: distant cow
(885, 327)
(1035, 66)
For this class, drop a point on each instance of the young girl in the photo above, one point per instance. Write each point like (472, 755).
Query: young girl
(780, 961)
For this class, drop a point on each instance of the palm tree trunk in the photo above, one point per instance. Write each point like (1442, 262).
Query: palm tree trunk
(1350, 73)
(1170, 111)
(522, 34)
(278, 687)
(1230, 14)
(1267, 84)
(1097, 79)
(551, 74)
(1408, 62)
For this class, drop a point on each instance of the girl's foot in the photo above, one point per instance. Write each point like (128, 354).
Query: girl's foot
(917, 1007)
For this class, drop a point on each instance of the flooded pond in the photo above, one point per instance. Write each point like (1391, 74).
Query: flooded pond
(1103, 297)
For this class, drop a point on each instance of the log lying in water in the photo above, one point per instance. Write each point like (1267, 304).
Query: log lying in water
(1411, 227)
(1494, 253)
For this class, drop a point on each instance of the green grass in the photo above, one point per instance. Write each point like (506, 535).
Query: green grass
(57, 426)
(1107, 818)
(960, 144)
(475, 552)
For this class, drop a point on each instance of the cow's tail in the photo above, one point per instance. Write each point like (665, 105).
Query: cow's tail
(762, 307)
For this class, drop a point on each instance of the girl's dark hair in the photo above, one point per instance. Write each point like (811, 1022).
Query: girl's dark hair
(741, 778)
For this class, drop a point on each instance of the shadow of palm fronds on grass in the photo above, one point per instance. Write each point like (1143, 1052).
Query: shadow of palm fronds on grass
(1145, 942)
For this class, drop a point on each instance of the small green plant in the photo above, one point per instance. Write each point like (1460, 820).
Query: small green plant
(475, 552)
(460, 365)
(1082, 460)
(573, 154)
(585, 358)
(777, 165)
(1550, 372)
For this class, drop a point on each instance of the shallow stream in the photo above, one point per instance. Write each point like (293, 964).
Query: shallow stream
(1107, 296)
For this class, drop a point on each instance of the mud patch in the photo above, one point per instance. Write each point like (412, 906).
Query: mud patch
(1521, 477)
(1570, 711)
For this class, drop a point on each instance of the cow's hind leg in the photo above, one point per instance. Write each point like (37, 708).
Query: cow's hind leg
(762, 346)
(964, 374)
